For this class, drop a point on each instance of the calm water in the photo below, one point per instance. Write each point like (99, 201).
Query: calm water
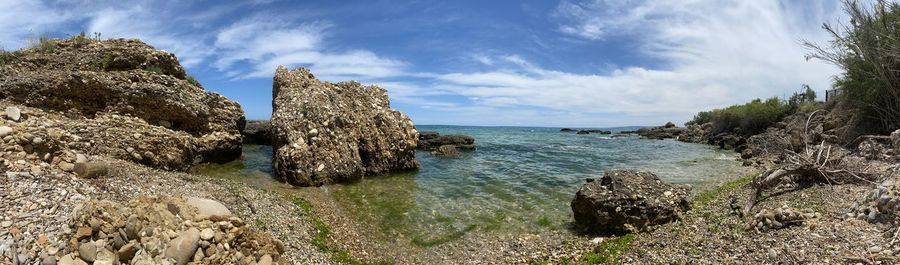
(519, 179)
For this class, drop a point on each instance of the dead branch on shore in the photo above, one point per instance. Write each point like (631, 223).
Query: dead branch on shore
(816, 163)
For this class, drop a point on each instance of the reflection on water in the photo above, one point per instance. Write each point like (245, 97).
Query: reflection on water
(519, 179)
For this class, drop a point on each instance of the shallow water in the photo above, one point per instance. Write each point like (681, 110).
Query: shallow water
(518, 180)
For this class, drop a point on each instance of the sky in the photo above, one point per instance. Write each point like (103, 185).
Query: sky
(596, 63)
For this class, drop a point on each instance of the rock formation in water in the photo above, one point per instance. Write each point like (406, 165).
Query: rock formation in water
(431, 141)
(124, 99)
(336, 132)
(625, 201)
(258, 132)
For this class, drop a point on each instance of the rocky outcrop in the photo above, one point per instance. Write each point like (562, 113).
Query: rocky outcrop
(335, 132)
(567, 130)
(625, 201)
(895, 141)
(163, 231)
(258, 132)
(661, 132)
(430, 141)
(147, 109)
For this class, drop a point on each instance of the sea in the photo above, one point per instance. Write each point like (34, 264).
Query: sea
(519, 179)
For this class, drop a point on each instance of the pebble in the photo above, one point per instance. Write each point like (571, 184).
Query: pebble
(13, 113)
(5, 130)
(207, 234)
(183, 247)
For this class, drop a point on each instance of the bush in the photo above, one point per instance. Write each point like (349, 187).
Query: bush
(44, 44)
(867, 50)
(747, 119)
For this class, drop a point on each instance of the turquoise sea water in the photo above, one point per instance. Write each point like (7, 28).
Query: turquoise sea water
(519, 179)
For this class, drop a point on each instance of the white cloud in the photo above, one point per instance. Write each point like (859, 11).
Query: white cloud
(24, 20)
(711, 54)
(266, 43)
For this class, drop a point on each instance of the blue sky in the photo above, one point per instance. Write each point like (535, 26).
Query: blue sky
(593, 63)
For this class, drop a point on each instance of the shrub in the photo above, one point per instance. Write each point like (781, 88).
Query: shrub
(44, 44)
(867, 51)
(80, 39)
(747, 119)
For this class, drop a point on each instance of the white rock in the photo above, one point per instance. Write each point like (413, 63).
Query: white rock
(207, 207)
(13, 113)
(183, 247)
(5, 130)
(207, 234)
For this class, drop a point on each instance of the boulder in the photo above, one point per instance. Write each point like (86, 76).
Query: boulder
(207, 208)
(567, 130)
(583, 132)
(124, 93)
(661, 132)
(625, 201)
(258, 132)
(336, 132)
(669, 125)
(430, 141)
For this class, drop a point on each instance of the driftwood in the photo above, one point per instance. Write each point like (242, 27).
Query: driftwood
(815, 163)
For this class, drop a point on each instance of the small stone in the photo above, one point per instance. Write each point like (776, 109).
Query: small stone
(207, 234)
(105, 257)
(66, 166)
(37, 140)
(88, 252)
(71, 260)
(13, 113)
(313, 133)
(183, 247)
(83, 232)
(321, 167)
(874, 249)
(126, 252)
(80, 158)
(265, 260)
(772, 254)
(91, 170)
(5, 130)
(6, 224)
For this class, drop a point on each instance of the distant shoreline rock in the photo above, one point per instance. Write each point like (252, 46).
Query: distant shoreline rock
(258, 132)
(336, 132)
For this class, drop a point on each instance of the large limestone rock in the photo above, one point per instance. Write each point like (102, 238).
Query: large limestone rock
(625, 201)
(335, 132)
(136, 102)
(258, 132)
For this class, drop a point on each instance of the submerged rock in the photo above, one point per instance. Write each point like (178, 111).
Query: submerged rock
(431, 141)
(625, 201)
(336, 132)
(567, 130)
(122, 94)
(446, 150)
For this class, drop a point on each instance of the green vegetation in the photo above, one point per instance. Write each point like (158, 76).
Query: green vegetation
(193, 81)
(544, 221)
(80, 39)
(44, 44)
(321, 240)
(705, 197)
(867, 51)
(747, 119)
(5, 56)
(757, 115)
(153, 69)
(606, 253)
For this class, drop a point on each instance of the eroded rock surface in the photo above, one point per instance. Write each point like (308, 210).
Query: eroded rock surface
(431, 141)
(625, 201)
(130, 100)
(335, 132)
